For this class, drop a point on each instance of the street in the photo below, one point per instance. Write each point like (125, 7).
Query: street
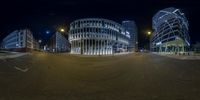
(138, 76)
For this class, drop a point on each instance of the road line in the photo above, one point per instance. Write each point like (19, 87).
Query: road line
(22, 70)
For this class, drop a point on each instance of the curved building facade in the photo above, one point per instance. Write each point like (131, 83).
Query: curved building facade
(96, 36)
(170, 32)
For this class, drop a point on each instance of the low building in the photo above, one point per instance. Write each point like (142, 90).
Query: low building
(36, 45)
(58, 43)
(19, 40)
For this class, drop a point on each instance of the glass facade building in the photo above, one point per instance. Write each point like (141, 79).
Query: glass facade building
(131, 28)
(97, 36)
(170, 34)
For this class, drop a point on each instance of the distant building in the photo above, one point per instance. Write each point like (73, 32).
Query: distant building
(97, 36)
(19, 40)
(170, 32)
(58, 43)
(36, 45)
(131, 29)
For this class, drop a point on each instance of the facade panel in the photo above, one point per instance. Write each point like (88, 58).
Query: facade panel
(95, 36)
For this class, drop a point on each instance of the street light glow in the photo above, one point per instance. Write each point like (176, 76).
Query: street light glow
(62, 30)
(149, 33)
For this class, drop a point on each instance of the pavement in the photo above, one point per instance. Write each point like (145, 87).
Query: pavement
(179, 57)
(9, 55)
(137, 76)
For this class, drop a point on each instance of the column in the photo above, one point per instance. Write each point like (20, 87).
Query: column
(72, 49)
(95, 47)
(74, 46)
(98, 47)
(86, 46)
(104, 47)
(92, 47)
(83, 46)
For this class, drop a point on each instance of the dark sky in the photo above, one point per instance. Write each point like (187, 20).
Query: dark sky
(42, 15)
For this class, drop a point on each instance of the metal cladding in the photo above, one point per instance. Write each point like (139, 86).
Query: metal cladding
(170, 31)
(96, 36)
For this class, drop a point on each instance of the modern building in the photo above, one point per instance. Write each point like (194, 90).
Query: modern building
(19, 40)
(170, 34)
(97, 36)
(131, 27)
(58, 43)
(36, 45)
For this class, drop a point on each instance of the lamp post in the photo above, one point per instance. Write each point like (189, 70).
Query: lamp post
(149, 36)
(39, 41)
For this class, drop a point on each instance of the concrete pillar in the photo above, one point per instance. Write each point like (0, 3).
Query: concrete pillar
(101, 47)
(86, 46)
(98, 48)
(83, 46)
(89, 47)
(94, 47)
(75, 46)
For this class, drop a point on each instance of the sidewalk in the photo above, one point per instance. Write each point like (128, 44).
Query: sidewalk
(180, 57)
(8, 55)
(117, 54)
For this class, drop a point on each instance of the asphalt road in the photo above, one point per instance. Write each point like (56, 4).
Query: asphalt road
(43, 76)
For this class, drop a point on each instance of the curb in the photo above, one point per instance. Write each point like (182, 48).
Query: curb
(13, 56)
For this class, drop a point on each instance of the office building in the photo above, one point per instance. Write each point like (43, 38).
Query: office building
(58, 43)
(97, 36)
(170, 34)
(20, 40)
(131, 27)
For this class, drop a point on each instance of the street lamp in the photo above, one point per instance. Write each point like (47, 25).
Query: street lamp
(149, 36)
(62, 30)
(148, 33)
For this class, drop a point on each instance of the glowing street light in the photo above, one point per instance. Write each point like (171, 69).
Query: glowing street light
(62, 30)
(149, 33)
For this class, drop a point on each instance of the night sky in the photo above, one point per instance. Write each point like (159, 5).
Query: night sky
(48, 15)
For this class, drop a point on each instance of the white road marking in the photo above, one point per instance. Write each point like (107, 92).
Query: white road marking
(20, 69)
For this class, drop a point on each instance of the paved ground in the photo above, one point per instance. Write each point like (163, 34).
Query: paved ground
(6, 54)
(44, 76)
(181, 57)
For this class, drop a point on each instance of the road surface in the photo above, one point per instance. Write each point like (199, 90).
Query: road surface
(43, 76)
